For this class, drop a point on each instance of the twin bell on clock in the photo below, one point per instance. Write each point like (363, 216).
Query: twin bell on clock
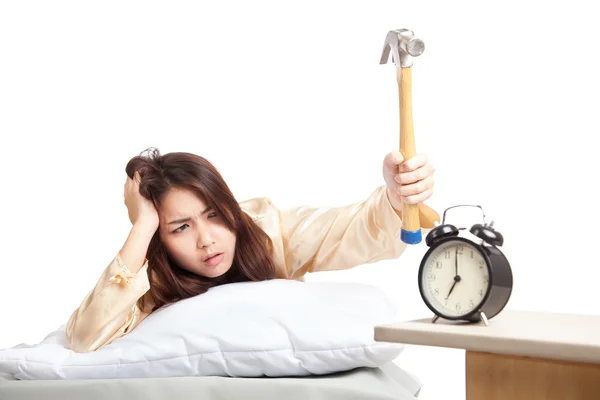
(465, 277)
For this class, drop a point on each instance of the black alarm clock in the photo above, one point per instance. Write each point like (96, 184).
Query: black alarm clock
(463, 278)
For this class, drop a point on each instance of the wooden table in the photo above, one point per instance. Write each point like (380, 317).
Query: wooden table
(521, 355)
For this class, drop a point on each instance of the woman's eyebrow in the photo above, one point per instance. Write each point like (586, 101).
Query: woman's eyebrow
(185, 219)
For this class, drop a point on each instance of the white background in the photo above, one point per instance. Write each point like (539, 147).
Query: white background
(289, 101)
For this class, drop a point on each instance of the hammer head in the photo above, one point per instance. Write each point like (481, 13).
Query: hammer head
(404, 46)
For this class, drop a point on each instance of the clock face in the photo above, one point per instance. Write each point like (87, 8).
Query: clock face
(455, 278)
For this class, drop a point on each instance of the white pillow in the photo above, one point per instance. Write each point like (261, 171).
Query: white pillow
(271, 328)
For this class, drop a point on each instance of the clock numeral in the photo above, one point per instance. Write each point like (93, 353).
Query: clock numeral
(431, 277)
(471, 304)
(481, 292)
(447, 254)
(471, 253)
(460, 250)
(481, 264)
(438, 265)
(486, 279)
(436, 291)
(458, 307)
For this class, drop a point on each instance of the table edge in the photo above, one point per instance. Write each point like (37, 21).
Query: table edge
(528, 348)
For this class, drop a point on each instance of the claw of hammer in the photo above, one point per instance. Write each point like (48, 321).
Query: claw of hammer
(404, 46)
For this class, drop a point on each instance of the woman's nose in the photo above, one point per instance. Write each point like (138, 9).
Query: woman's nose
(204, 238)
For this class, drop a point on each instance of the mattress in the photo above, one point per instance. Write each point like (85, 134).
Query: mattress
(388, 382)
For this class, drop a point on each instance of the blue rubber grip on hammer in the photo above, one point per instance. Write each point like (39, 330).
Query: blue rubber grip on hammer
(411, 237)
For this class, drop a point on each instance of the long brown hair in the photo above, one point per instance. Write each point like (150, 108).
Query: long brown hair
(169, 282)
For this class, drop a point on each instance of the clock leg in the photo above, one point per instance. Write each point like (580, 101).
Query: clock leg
(435, 318)
(484, 318)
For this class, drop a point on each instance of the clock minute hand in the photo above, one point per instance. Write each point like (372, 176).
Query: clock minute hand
(456, 261)
(456, 276)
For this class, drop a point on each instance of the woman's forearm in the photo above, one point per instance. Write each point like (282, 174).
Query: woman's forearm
(135, 248)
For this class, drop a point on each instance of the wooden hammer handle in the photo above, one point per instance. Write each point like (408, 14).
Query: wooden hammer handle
(428, 217)
(411, 226)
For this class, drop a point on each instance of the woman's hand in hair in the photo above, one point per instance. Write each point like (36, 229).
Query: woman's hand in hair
(140, 209)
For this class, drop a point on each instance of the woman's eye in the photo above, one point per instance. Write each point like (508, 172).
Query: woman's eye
(212, 214)
(181, 228)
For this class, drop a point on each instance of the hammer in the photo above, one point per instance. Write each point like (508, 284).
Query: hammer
(404, 46)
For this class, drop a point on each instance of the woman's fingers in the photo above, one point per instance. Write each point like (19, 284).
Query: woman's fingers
(413, 163)
(421, 173)
(416, 188)
(418, 198)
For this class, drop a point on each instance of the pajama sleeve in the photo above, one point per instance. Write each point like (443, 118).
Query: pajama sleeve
(336, 238)
(109, 310)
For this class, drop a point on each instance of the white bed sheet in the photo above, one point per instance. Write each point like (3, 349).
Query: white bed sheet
(389, 382)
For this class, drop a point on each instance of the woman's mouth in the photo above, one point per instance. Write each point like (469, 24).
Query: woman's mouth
(214, 259)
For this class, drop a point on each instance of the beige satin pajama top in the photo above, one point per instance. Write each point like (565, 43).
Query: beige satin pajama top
(304, 239)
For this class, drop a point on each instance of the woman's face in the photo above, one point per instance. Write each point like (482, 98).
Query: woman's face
(195, 236)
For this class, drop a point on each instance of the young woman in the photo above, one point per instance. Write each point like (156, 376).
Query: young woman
(189, 234)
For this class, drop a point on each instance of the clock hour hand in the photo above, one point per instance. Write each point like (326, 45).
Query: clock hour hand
(451, 289)
(456, 280)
